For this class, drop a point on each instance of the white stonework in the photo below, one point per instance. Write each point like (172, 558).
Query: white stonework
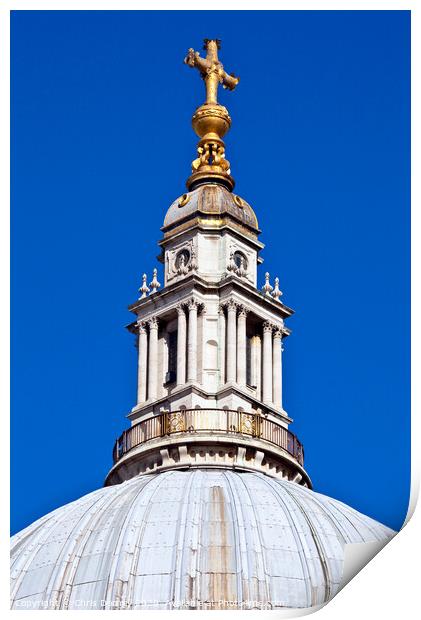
(198, 539)
(210, 257)
(207, 504)
(209, 465)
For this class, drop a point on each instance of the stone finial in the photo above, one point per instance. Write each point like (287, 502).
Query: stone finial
(276, 293)
(267, 288)
(144, 289)
(154, 284)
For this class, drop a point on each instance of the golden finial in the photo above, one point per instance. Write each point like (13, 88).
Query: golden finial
(211, 69)
(211, 120)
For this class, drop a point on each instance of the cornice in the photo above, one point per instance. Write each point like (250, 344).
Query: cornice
(146, 410)
(221, 287)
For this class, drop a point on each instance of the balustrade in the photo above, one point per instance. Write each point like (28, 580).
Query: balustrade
(209, 421)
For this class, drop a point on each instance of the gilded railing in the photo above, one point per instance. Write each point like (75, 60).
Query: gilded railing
(209, 421)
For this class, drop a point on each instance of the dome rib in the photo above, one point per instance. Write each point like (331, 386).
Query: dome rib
(299, 547)
(235, 509)
(210, 200)
(182, 538)
(328, 578)
(41, 537)
(114, 590)
(188, 539)
(260, 554)
(69, 568)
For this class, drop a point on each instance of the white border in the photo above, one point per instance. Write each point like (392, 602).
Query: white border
(388, 586)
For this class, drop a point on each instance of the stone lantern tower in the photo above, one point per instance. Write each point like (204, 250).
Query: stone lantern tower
(210, 340)
(207, 504)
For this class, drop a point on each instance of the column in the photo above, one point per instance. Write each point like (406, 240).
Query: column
(221, 348)
(153, 359)
(231, 341)
(142, 363)
(267, 363)
(281, 406)
(181, 345)
(192, 342)
(277, 369)
(241, 347)
(256, 365)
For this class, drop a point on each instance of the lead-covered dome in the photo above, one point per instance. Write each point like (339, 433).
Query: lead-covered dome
(212, 202)
(188, 539)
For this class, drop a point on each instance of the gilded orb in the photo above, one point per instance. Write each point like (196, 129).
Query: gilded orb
(211, 121)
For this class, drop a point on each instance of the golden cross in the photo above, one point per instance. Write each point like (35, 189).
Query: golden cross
(211, 69)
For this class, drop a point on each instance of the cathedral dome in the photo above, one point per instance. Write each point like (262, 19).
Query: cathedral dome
(212, 202)
(188, 539)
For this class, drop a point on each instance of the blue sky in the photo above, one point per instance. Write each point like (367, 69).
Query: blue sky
(102, 144)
